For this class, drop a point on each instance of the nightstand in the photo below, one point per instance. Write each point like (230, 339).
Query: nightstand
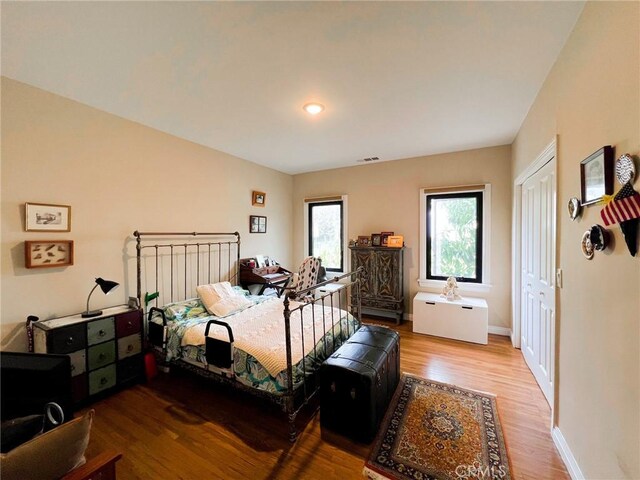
(105, 351)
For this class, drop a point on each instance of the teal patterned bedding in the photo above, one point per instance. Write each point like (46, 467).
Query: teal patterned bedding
(248, 370)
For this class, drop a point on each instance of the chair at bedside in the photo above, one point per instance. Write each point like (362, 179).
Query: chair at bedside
(59, 454)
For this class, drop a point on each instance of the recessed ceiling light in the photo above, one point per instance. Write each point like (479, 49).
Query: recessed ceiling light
(313, 108)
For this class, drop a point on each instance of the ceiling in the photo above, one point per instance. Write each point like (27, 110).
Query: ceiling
(397, 79)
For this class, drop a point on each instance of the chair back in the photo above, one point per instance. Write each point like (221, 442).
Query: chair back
(308, 273)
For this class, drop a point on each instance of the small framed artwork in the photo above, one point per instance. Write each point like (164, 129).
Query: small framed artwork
(376, 240)
(363, 241)
(385, 238)
(41, 217)
(395, 241)
(257, 224)
(258, 199)
(596, 175)
(48, 253)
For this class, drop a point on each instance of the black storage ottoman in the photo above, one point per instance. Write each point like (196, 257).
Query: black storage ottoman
(358, 381)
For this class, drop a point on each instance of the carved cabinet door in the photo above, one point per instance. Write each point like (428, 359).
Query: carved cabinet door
(364, 258)
(387, 281)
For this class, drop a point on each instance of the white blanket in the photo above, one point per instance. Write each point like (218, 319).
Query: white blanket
(259, 331)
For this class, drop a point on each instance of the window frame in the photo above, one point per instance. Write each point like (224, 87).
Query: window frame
(338, 199)
(465, 287)
(479, 197)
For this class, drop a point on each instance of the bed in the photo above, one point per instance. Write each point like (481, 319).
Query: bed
(270, 347)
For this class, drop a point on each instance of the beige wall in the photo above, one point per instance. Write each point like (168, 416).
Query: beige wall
(591, 98)
(118, 176)
(385, 197)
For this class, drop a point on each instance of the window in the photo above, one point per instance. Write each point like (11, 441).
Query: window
(455, 226)
(454, 236)
(326, 233)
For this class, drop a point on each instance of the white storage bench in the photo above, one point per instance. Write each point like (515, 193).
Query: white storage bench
(466, 319)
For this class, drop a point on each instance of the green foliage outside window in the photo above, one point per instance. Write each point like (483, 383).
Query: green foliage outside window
(454, 227)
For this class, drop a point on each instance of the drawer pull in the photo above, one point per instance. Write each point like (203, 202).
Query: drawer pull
(73, 367)
(102, 356)
(102, 333)
(430, 303)
(130, 324)
(103, 381)
(129, 348)
(467, 308)
(70, 340)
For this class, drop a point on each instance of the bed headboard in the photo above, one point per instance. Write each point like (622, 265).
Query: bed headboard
(175, 263)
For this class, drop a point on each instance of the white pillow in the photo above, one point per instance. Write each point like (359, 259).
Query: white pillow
(227, 306)
(215, 293)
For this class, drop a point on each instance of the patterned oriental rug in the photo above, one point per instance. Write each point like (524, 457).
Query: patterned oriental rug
(435, 431)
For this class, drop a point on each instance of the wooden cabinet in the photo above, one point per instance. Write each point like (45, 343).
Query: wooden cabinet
(105, 351)
(382, 284)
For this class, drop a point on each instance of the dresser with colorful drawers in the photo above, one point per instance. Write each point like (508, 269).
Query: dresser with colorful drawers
(105, 351)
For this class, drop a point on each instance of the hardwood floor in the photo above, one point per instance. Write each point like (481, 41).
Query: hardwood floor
(182, 427)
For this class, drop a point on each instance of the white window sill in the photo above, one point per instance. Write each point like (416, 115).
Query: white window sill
(463, 287)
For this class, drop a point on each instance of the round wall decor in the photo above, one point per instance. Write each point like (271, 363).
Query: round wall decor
(587, 246)
(625, 169)
(574, 207)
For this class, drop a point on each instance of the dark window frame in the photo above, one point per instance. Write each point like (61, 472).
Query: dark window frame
(310, 232)
(479, 196)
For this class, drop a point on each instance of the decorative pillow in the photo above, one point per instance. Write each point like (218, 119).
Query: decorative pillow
(227, 306)
(221, 293)
(18, 430)
(186, 309)
(51, 455)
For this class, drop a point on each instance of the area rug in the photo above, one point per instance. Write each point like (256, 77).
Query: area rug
(435, 431)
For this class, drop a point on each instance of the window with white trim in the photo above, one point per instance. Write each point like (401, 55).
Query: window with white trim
(454, 233)
(325, 231)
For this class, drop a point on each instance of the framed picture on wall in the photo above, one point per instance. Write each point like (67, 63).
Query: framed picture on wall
(258, 199)
(257, 224)
(43, 217)
(596, 175)
(48, 253)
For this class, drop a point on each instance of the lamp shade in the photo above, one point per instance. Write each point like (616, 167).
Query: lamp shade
(107, 286)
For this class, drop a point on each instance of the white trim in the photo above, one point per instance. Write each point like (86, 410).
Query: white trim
(486, 241)
(567, 456)
(502, 331)
(345, 232)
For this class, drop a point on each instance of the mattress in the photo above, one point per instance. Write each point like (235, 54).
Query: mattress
(259, 338)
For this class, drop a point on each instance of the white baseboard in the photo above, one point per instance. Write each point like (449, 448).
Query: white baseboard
(504, 331)
(565, 452)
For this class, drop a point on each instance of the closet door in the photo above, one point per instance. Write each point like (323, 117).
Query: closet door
(538, 276)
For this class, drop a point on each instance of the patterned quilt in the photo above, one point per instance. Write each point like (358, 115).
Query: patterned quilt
(259, 353)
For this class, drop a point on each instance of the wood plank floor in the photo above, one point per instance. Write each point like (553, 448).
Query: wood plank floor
(182, 427)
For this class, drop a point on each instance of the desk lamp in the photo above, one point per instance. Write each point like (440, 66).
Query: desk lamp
(107, 286)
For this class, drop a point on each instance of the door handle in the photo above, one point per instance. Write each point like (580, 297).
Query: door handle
(541, 294)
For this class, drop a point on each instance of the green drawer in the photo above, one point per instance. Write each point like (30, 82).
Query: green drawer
(101, 330)
(101, 355)
(102, 379)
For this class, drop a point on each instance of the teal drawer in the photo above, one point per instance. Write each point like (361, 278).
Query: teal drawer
(101, 355)
(102, 379)
(101, 330)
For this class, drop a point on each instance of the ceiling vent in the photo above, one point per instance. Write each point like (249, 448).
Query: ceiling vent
(369, 159)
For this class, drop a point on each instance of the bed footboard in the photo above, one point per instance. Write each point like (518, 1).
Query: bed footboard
(342, 315)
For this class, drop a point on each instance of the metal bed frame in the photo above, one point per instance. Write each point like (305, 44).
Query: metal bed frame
(207, 253)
